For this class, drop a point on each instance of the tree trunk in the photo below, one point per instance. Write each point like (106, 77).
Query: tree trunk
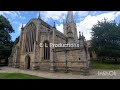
(116, 60)
(102, 59)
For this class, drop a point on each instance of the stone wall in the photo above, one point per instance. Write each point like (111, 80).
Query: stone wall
(73, 60)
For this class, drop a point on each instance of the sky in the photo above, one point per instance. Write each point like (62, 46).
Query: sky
(84, 19)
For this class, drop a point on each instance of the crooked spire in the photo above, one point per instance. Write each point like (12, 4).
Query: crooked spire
(70, 17)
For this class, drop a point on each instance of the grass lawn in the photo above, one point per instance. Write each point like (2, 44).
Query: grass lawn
(18, 76)
(109, 66)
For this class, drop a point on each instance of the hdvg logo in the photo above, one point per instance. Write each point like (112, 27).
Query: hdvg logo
(106, 73)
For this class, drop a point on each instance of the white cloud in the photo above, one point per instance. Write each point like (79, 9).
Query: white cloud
(59, 27)
(83, 13)
(21, 17)
(86, 25)
(60, 15)
(12, 13)
(19, 12)
(55, 15)
(5, 12)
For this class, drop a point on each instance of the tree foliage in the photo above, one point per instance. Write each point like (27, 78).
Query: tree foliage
(106, 39)
(5, 38)
(16, 40)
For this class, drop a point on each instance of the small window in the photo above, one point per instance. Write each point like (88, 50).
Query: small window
(79, 58)
(46, 50)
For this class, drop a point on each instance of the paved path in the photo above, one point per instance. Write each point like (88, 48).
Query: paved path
(56, 75)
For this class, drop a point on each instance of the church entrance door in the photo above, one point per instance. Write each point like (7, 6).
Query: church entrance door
(27, 62)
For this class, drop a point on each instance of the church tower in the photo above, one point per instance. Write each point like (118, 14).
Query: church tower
(69, 28)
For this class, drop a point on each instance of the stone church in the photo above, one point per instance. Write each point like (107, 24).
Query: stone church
(34, 50)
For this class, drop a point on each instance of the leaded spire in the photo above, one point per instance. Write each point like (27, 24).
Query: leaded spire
(70, 17)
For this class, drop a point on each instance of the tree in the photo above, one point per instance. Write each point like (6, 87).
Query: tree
(16, 40)
(5, 38)
(106, 39)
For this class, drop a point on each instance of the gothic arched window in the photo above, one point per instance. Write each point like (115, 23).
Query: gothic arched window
(30, 37)
(46, 50)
